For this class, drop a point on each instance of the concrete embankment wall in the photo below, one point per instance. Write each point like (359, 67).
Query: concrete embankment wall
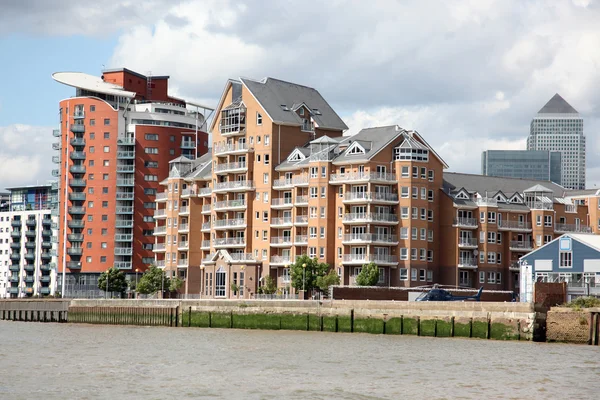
(506, 321)
(34, 310)
(570, 325)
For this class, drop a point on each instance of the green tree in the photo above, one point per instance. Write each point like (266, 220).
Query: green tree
(116, 281)
(306, 277)
(331, 279)
(269, 286)
(152, 281)
(368, 276)
(175, 284)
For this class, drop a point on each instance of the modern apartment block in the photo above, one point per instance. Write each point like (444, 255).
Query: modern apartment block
(116, 137)
(28, 243)
(558, 127)
(540, 165)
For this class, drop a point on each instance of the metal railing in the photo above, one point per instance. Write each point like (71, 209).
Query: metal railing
(235, 241)
(286, 201)
(575, 228)
(242, 257)
(205, 244)
(230, 166)
(281, 221)
(160, 229)
(521, 244)
(301, 219)
(467, 242)
(281, 260)
(234, 185)
(184, 210)
(301, 239)
(234, 222)
(375, 217)
(160, 213)
(162, 196)
(184, 227)
(461, 221)
(486, 202)
(229, 204)
(370, 237)
(285, 182)
(205, 226)
(301, 200)
(467, 262)
(376, 258)
(370, 196)
(514, 225)
(285, 240)
(231, 148)
(363, 176)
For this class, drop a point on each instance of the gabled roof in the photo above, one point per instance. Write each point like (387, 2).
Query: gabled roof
(272, 94)
(590, 240)
(537, 188)
(201, 168)
(180, 159)
(557, 105)
(377, 139)
(324, 140)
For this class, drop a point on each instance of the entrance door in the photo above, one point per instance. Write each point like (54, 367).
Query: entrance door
(220, 282)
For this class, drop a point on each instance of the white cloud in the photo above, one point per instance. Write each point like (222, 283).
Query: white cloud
(25, 154)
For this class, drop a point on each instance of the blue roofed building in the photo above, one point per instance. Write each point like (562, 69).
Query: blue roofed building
(572, 258)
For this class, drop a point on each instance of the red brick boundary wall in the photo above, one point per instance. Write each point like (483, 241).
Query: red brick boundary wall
(401, 294)
(550, 294)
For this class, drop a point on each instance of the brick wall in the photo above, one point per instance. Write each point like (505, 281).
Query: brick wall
(567, 325)
(550, 294)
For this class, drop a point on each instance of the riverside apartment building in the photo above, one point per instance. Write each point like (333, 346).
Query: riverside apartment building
(116, 138)
(283, 181)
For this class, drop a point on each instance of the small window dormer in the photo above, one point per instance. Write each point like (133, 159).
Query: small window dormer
(355, 148)
(301, 111)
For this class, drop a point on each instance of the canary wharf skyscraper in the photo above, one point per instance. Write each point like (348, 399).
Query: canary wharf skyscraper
(558, 127)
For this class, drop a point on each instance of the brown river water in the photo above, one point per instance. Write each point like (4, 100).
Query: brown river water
(71, 361)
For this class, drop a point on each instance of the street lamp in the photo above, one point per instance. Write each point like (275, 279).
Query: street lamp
(136, 282)
(202, 280)
(107, 276)
(304, 279)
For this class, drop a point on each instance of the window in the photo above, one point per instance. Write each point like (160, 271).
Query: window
(499, 237)
(148, 218)
(404, 253)
(150, 205)
(340, 212)
(264, 235)
(266, 159)
(405, 172)
(258, 119)
(404, 233)
(267, 140)
(491, 258)
(423, 234)
(312, 252)
(429, 255)
(430, 235)
(499, 258)
(92, 122)
(547, 220)
(430, 215)
(151, 178)
(92, 136)
(423, 213)
(423, 173)
(266, 198)
(415, 213)
(106, 163)
(265, 216)
(422, 254)
(91, 177)
(92, 149)
(403, 274)
(104, 177)
(90, 204)
(258, 139)
(102, 259)
(482, 257)
(322, 212)
(322, 233)
(481, 277)
(413, 274)
(313, 192)
(106, 121)
(423, 193)
(415, 192)
(323, 191)
(430, 175)
(491, 217)
(538, 220)
(482, 217)
(312, 212)
(151, 150)
(340, 233)
(404, 190)
(547, 238)
(415, 172)
(566, 259)
(312, 232)
(105, 204)
(151, 164)
(265, 178)
(491, 277)
(404, 212)
(339, 252)
(313, 172)
(321, 252)
(106, 135)
(429, 276)
(92, 108)
(430, 195)
(323, 172)
(413, 254)
(414, 233)
(491, 237)
(103, 245)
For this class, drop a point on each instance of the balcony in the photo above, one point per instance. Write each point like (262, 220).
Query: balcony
(467, 243)
(361, 218)
(301, 220)
(183, 245)
(76, 210)
(370, 238)
(123, 251)
(280, 260)
(15, 234)
(188, 144)
(126, 169)
(361, 259)
(184, 193)
(56, 146)
(160, 263)
(486, 202)
(31, 223)
(125, 196)
(205, 245)
(125, 155)
(514, 266)
(122, 264)
(124, 210)
(355, 177)
(30, 234)
(223, 224)
(163, 196)
(56, 133)
(185, 210)
(46, 221)
(283, 203)
(124, 237)
(77, 183)
(229, 168)
(225, 149)
(74, 264)
(282, 222)
(125, 182)
(183, 228)
(29, 268)
(124, 223)
(229, 205)
(15, 223)
(288, 183)
(30, 256)
(242, 257)
(56, 159)
(159, 247)
(128, 140)
(541, 205)
(45, 279)
(17, 245)
(572, 228)
(205, 227)
(520, 245)
(281, 241)
(160, 214)
(46, 232)
(204, 192)
(14, 279)
(46, 267)
(77, 196)
(75, 251)
(370, 197)
(229, 242)
(78, 142)
(79, 114)
(301, 201)
(183, 263)
(234, 186)
(468, 223)
(29, 279)
(77, 155)
(28, 245)
(14, 268)
(78, 223)
(517, 226)
(467, 263)
(55, 173)
(75, 237)
(160, 230)
(301, 240)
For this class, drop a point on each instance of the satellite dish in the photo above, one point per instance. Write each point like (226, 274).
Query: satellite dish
(475, 252)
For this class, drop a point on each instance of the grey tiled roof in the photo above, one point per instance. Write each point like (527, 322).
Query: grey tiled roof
(201, 168)
(490, 184)
(273, 93)
(557, 105)
(372, 140)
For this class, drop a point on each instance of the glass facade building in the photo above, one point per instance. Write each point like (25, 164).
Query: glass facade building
(526, 164)
(558, 127)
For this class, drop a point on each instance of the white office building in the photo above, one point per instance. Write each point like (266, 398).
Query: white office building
(558, 127)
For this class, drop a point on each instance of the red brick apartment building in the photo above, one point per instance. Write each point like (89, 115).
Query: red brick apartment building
(116, 138)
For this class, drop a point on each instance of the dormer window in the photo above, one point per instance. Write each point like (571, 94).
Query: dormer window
(301, 111)
(258, 119)
(355, 148)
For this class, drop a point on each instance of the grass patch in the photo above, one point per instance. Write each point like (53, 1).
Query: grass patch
(344, 324)
(368, 325)
(393, 326)
(428, 327)
(410, 326)
(500, 331)
(295, 322)
(462, 330)
(444, 328)
(314, 322)
(200, 319)
(220, 320)
(480, 329)
(256, 321)
(329, 324)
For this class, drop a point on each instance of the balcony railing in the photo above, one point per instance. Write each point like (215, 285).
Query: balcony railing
(125, 182)
(233, 185)
(242, 257)
(467, 262)
(205, 226)
(77, 155)
(205, 244)
(301, 200)
(75, 237)
(465, 222)
(207, 191)
(78, 142)
(124, 237)
(76, 210)
(281, 221)
(224, 242)
(284, 202)
(162, 196)
(573, 228)
(281, 260)
(370, 237)
(370, 196)
(79, 128)
(301, 239)
(124, 210)
(290, 182)
(229, 223)
(206, 208)
(124, 223)
(159, 247)
(486, 202)
(301, 220)
(125, 169)
(75, 251)
(540, 205)
(183, 263)
(125, 155)
(186, 209)
(160, 230)
(77, 183)
(363, 177)
(76, 223)
(467, 242)
(521, 245)
(188, 144)
(77, 169)
(370, 217)
(123, 251)
(125, 195)
(363, 258)
(281, 240)
(224, 205)
(160, 213)
(514, 225)
(231, 148)
(234, 166)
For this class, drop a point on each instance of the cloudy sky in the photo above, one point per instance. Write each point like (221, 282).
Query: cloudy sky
(467, 74)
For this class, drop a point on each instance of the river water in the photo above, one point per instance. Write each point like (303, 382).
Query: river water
(70, 361)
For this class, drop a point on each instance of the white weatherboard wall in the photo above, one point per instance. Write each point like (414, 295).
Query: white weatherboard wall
(591, 266)
(543, 265)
